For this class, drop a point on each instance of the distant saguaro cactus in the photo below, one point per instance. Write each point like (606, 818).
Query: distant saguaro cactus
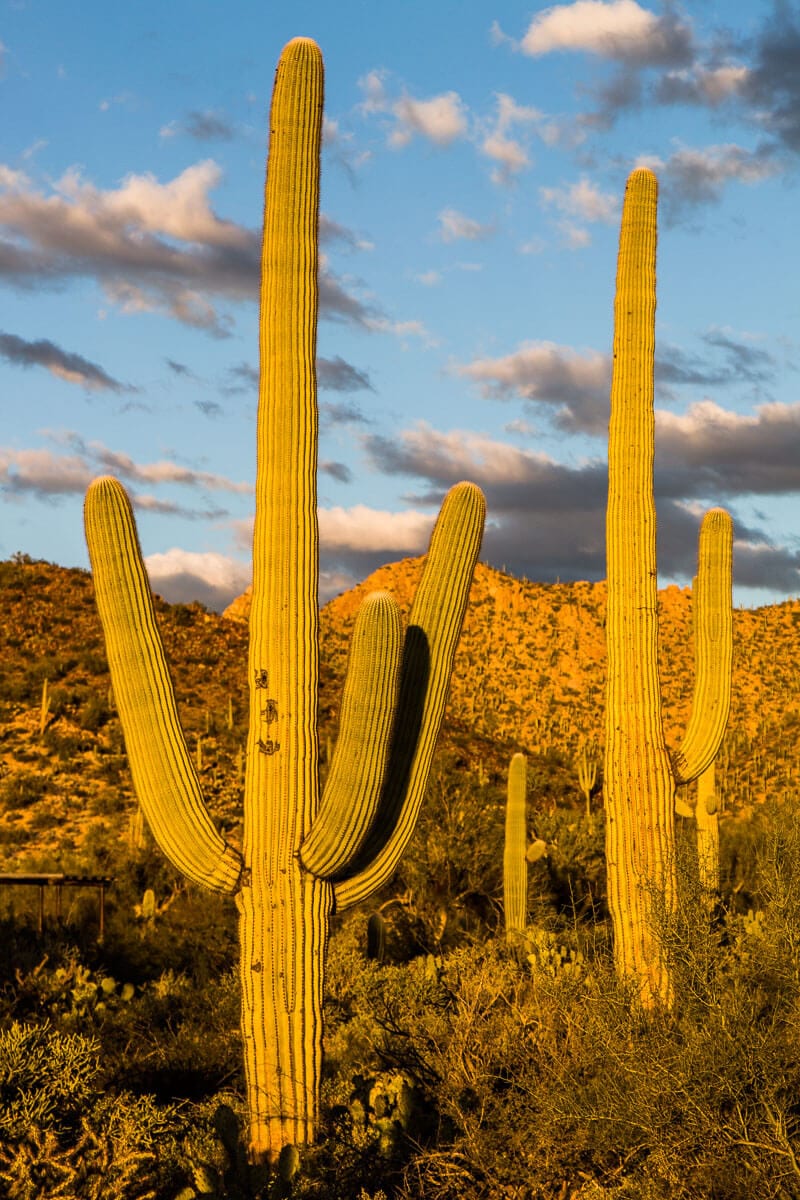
(515, 865)
(640, 774)
(517, 852)
(44, 708)
(587, 777)
(301, 855)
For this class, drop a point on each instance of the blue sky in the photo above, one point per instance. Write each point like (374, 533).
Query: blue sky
(474, 163)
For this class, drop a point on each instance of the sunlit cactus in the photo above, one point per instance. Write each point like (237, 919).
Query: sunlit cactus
(587, 777)
(640, 774)
(515, 864)
(706, 815)
(44, 708)
(302, 856)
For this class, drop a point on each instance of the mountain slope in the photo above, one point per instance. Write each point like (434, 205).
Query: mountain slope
(529, 675)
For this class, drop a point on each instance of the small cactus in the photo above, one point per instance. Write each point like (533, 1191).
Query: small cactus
(44, 708)
(587, 778)
(515, 866)
(376, 938)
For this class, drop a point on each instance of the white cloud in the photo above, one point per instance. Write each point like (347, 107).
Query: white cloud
(372, 85)
(402, 329)
(441, 119)
(374, 530)
(429, 278)
(511, 153)
(691, 177)
(43, 472)
(178, 208)
(181, 576)
(456, 454)
(575, 237)
(454, 226)
(582, 200)
(152, 246)
(575, 384)
(713, 85)
(614, 29)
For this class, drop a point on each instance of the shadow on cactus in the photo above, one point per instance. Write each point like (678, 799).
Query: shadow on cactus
(303, 855)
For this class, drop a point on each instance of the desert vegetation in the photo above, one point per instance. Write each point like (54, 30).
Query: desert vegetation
(457, 1063)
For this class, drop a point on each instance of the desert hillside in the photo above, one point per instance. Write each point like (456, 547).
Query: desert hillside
(529, 675)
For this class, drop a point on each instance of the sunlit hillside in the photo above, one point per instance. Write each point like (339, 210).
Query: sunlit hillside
(530, 670)
(529, 675)
(458, 1063)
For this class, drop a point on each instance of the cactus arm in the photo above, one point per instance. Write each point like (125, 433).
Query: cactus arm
(435, 621)
(163, 774)
(713, 629)
(515, 863)
(638, 784)
(369, 702)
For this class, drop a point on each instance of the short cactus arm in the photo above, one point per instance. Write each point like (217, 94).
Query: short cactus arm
(163, 774)
(434, 627)
(713, 629)
(369, 702)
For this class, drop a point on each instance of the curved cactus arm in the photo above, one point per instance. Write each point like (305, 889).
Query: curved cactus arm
(515, 862)
(713, 631)
(163, 773)
(369, 702)
(435, 621)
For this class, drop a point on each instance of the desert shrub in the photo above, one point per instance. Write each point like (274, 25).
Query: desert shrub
(449, 881)
(63, 1135)
(45, 1076)
(571, 879)
(22, 789)
(94, 713)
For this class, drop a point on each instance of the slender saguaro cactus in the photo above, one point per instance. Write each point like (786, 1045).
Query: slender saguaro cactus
(301, 857)
(587, 777)
(640, 773)
(515, 864)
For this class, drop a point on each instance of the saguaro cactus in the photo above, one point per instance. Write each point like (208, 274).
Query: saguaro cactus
(640, 773)
(515, 864)
(587, 777)
(707, 819)
(300, 857)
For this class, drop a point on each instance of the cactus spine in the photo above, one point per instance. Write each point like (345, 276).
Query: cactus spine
(515, 864)
(300, 856)
(640, 774)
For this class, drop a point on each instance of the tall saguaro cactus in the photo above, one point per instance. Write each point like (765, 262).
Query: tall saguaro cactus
(640, 773)
(302, 855)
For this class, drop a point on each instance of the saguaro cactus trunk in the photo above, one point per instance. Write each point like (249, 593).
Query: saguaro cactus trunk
(301, 856)
(640, 773)
(515, 864)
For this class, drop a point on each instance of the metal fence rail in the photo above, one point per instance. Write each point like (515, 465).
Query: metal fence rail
(58, 882)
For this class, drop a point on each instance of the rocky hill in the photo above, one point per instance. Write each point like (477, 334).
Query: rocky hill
(529, 675)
